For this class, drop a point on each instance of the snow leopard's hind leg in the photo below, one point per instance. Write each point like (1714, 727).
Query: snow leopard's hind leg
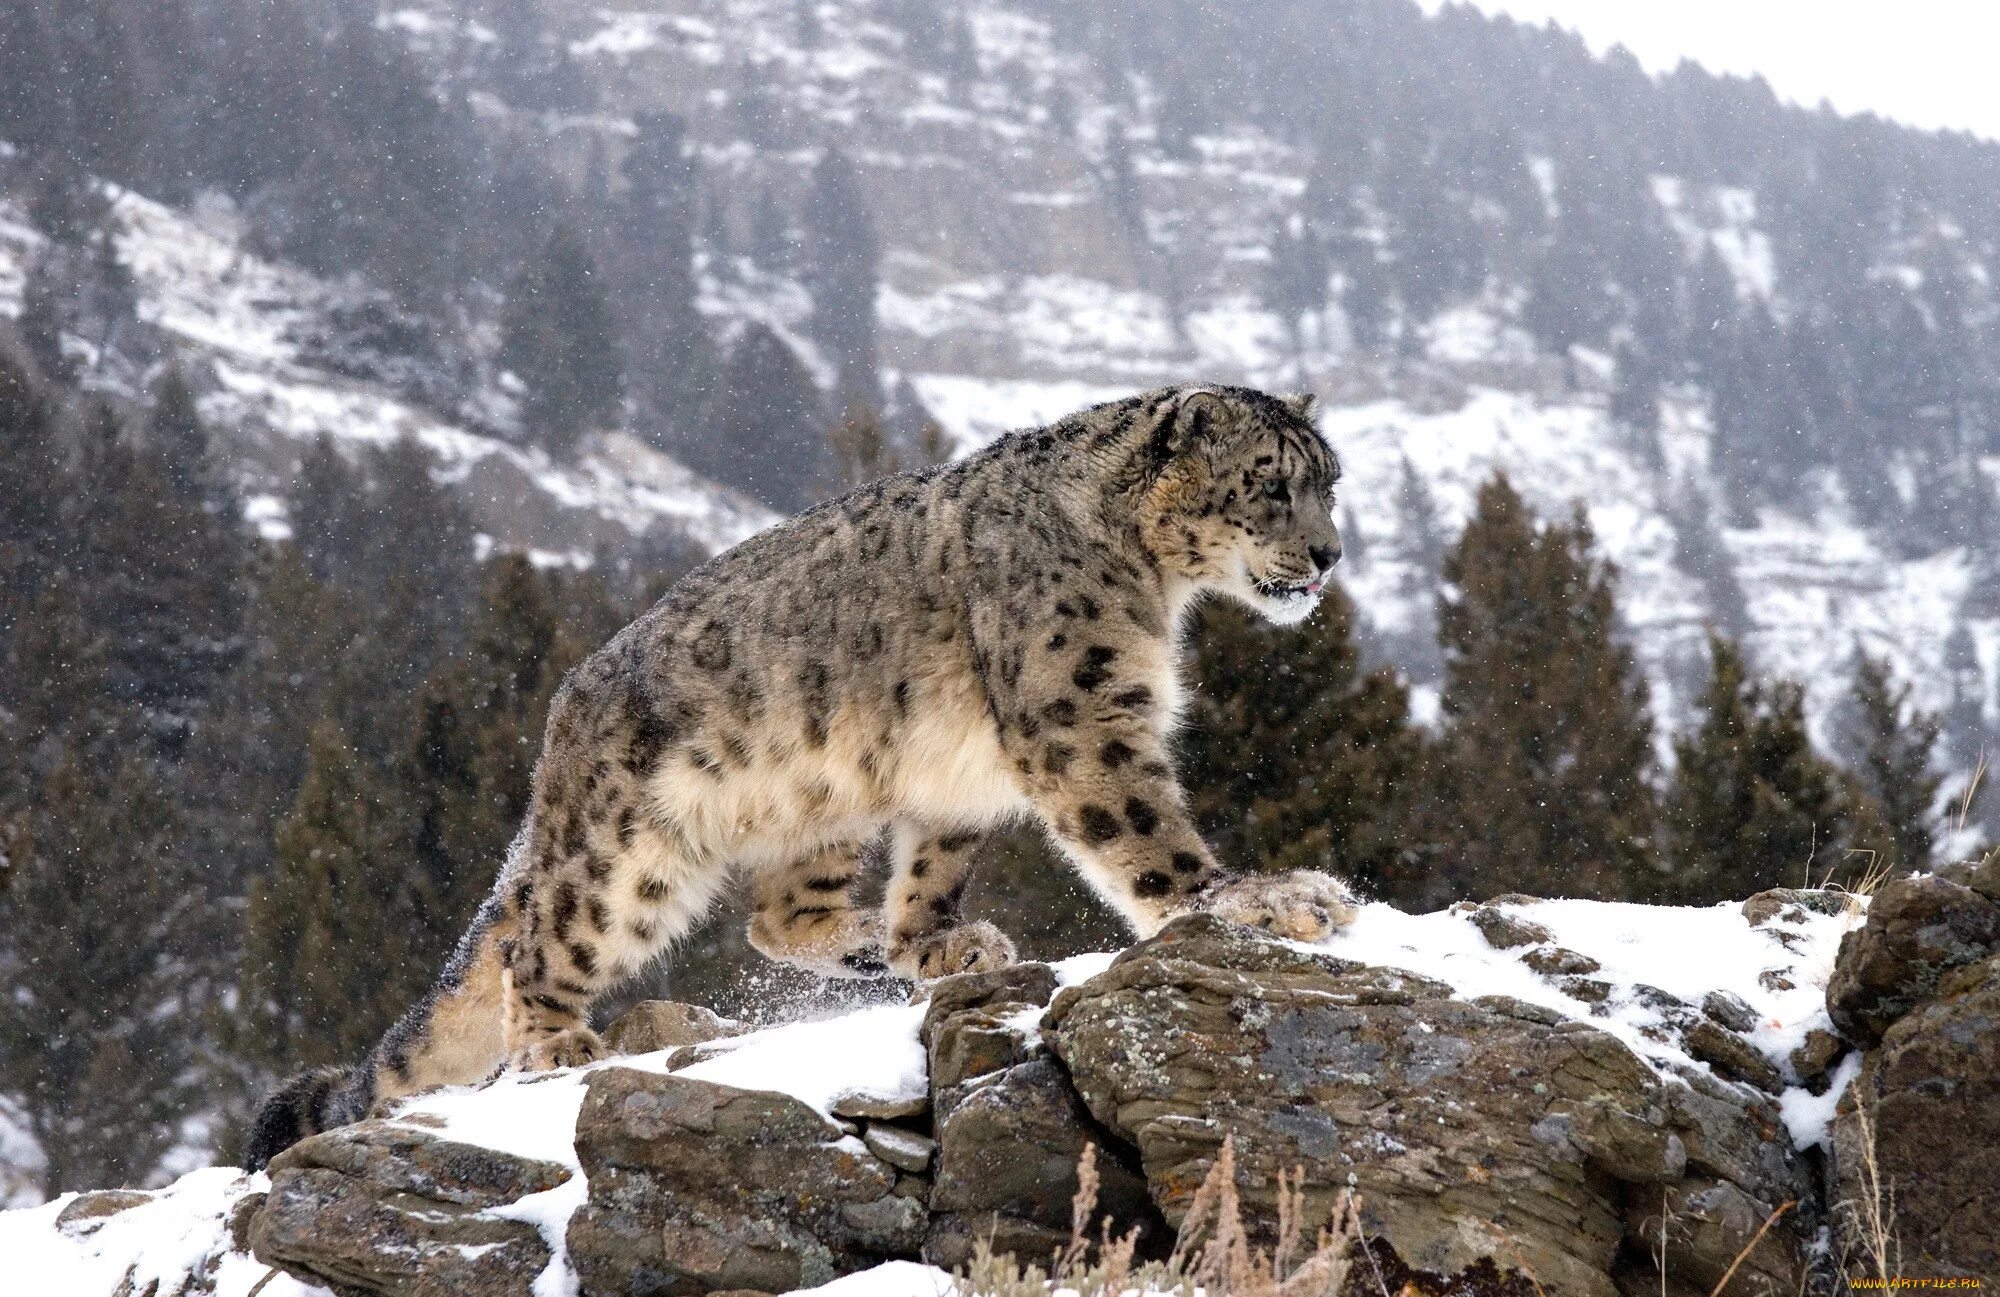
(806, 915)
(603, 878)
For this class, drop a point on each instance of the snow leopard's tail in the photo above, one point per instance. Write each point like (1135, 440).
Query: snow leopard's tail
(307, 1104)
(454, 1035)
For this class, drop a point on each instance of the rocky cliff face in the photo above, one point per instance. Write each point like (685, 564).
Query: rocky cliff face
(1524, 1115)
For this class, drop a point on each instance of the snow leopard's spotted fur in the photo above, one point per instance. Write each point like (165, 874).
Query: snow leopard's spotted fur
(933, 654)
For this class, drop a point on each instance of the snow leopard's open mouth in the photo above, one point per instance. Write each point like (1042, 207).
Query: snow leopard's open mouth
(1290, 591)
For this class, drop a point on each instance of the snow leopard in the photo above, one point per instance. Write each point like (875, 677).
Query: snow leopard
(928, 657)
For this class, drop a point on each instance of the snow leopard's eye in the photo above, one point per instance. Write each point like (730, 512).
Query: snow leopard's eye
(1278, 490)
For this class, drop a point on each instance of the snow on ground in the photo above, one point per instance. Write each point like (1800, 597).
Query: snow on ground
(1686, 952)
(20, 1159)
(1722, 219)
(1779, 970)
(872, 1052)
(890, 1279)
(20, 243)
(183, 1231)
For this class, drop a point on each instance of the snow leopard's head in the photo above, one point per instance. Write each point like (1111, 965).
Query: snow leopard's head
(1242, 498)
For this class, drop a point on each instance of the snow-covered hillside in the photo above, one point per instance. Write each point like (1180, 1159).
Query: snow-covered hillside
(236, 321)
(1777, 971)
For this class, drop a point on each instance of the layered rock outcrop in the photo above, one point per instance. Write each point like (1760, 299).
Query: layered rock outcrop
(1914, 1185)
(1489, 1141)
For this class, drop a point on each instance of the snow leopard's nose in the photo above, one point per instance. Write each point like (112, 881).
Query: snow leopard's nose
(1324, 556)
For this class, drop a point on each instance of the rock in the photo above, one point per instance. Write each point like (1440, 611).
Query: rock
(1508, 1006)
(874, 1107)
(1007, 1160)
(1812, 1062)
(905, 1150)
(654, 1025)
(1918, 929)
(697, 1187)
(1555, 961)
(1930, 1099)
(967, 1032)
(87, 1211)
(1010, 1131)
(1669, 1006)
(1017, 986)
(1731, 1056)
(413, 1161)
(1981, 875)
(1768, 905)
(1588, 989)
(1504, 931)
(1728, 1010)
(954, 1236)
(1708, 1224)
(1438, 1112)
(381, 1208)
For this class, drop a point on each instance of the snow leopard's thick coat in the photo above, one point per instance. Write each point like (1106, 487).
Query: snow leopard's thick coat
(932, 654)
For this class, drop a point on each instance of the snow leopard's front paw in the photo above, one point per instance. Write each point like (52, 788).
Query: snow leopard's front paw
(1302, 905)
(571, 1048)
(967, 948)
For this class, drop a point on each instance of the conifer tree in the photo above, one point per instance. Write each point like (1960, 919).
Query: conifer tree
(161, 567)
(34, 108)
(469, 769)
(318, 989)
(1751, 805)
(1635, 402)
(861, 449)
(1293, 757)
(33, 478)
(842, 270)
(661, 189)
(1541, 783)
(329, 510)
(764, 425)
(175, 433)
(91, 1045)
(419, 551)
(1893, 747)
(560, 340)
(1700, 549)
(1965, 713)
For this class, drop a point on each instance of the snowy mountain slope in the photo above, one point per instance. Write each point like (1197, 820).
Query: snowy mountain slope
(234, 321)
(1779, 973)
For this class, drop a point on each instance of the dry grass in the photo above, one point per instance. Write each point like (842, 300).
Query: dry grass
(1870, 1216)
(1857, 887)
(1659, 1249)
(1969, 796)
(1212, 1257)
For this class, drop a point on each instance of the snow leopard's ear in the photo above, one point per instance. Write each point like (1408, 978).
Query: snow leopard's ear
(1303, 404)
(1187, 423)
(1197, 411)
